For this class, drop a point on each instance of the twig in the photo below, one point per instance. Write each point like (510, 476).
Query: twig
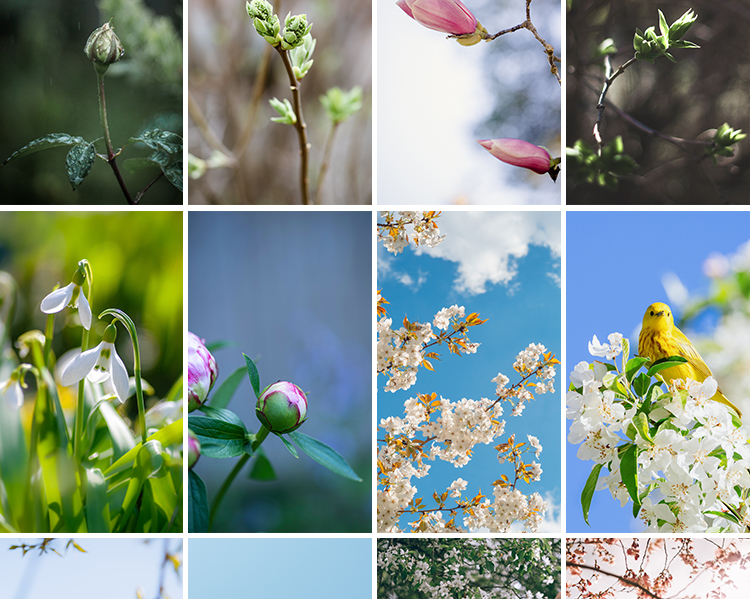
(326, 160)
(260, 80)
(609, 77)
(208, 134)
(108, 142)
(140, 194)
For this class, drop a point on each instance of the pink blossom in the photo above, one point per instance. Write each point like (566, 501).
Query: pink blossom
(448, 16)
(519, 153)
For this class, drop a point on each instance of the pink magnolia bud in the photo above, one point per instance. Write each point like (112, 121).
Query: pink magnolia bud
(202, 372)
(448, 16)
(282, 407)
(519, 153)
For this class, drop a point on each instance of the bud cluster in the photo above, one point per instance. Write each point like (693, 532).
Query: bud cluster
(267, 24)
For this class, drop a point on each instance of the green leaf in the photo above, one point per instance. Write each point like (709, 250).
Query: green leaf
(224, 394)
(641, 384)
(79, 161)
(262, 468)
(156, 139)
(134, 165)
(223, 415)
(97, 507)
(665, 363)
(173, 173)
(218, 439)
(633, 366)
(252, 373)
(197, 504)
(53, 140)
(324, 455)
(119, 431)
(588, 491)
(640, 421)
(663, 26)
(289, 446)
(629, 471)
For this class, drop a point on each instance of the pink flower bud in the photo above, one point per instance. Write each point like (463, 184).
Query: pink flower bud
(194, 449)
(202, 372)
(282, 407)
(519, 153)
(448, 16)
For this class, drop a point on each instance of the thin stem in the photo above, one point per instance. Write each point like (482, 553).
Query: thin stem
(78, 432)
(260, 80)
(299, 125)
(107, 141)
(141, 193)
(326, 160)
(205, 128)
(609, 77)
(259, 438)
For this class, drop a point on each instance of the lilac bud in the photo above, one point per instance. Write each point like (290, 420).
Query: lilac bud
(202, 372)
(282, 407)
(194, 449)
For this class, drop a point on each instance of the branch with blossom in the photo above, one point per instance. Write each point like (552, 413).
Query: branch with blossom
(680, 458)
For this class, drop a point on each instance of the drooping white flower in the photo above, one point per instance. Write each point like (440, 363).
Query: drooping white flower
(71, 295)
(100, 365)
(11, 391)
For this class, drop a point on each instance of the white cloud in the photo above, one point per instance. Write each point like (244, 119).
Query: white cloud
(487, 245)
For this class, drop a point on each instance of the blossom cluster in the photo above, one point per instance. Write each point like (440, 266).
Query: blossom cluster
(439, 429)
(394, 232)
(400, 352)
(690, 456)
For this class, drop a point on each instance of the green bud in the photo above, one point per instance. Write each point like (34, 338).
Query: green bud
(301, 57)
(103, 47)
(266, 23)
(681, 25)
(285, 110)
(295, 30)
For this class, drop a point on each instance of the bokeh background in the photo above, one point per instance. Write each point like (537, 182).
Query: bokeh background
(292, 290)
(689, 99)
(49, 86)
(609, 291)
(136, 260)
(225, 59)
(436, 98)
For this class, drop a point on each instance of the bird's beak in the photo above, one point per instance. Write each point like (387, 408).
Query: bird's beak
(660, 313)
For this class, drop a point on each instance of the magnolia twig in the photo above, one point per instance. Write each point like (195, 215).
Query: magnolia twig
(548, 49)
(299, 125)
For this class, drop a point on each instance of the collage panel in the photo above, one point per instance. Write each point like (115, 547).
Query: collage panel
(478, 568)
(89, 568)
(711, 567)
(469, 308)
(658, 353)
(90, 441)
(280, 102)
(456, 115)
(91, 103)
(656, 102)
(280, 326)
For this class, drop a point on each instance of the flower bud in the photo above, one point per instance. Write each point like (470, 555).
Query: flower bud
(265, 21)
(103, 47)
(448, 16)
(202, 372)
(519, 153)
(282, 407)
(295, 30)
(194, 449)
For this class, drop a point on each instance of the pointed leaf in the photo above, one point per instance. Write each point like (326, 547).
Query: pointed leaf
(79, 161)
(665, 363)
(262, 468)
(324, 455)
(156, 139)
(588, 491)
(97, 507)
(198, 504)
(252, 373)
(173, 173)
(224, 394)
(52, 140)
(289, 446)
(629, 471)
(218, 439)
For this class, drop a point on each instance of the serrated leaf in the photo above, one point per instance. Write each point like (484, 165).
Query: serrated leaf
(629, 471)
(588, 491)
(79, 161)
(324, 455)
(159, 140)
(173, 173)
(53, 140)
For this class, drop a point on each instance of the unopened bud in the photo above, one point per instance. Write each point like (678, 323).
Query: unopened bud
(103, 47)
(282, 407)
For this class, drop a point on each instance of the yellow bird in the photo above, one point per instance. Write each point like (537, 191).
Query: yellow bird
(659, 339)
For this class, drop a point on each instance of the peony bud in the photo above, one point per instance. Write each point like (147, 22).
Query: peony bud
(202, 372)
(282, 407)
(103, 47)
(194, 449)
(448, 16)
(519, 153)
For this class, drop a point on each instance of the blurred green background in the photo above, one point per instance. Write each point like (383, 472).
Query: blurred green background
(704, 89)
(49, 86)
(136, 260)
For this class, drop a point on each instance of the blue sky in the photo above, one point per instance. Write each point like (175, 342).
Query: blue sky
(281, 568)
(615, 262)
(506, 266)
(110, 568)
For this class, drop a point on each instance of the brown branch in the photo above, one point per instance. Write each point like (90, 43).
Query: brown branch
(622, 579)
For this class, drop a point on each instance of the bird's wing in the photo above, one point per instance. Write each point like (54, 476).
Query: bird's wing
(688, 351)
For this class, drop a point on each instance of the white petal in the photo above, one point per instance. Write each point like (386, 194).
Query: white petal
(12, 393)
(119, 377)
(84, 311)
(80, 366)
(58, 299)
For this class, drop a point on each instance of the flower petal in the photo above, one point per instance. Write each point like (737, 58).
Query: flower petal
(84, 311)
(12, 393)
(119, 377)
(58, 299)
(80, 366)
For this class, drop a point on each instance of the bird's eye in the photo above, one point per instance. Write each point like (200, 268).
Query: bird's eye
(652, 312)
